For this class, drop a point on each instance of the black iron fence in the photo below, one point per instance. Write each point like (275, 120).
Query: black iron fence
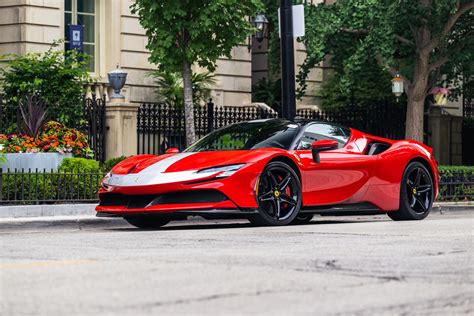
(161, 126)
(95, 126)
(48, 187)
(34, 187)
(457, 185)
(9, 116)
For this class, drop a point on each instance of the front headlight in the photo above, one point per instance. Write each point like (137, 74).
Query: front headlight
(224, 171)
(105, 179)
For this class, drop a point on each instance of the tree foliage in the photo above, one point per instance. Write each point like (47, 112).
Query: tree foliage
(372, 87)
(194, 31)
(426, 42)
(60, 79)
(182, 33)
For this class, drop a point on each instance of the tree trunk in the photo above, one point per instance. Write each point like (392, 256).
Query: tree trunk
(414, 120)
(416, 95)
(188, 104)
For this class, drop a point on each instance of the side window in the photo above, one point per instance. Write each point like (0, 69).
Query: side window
(320, 131)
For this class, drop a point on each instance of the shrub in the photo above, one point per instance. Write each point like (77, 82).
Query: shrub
(79, 177)
(81, 165)
(59, 77)
(110, 163)
(456, 182)
(27, 186)
(170, 87)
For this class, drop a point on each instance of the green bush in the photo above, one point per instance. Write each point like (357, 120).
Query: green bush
(110, 163)
(80, 165)
(79, 177)
(456, 183)
(58, 77)
(27, 187)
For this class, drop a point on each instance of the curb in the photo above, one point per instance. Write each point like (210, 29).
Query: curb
(46, 210)
(60, 222)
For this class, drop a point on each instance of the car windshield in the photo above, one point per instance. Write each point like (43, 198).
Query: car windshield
(249, 135)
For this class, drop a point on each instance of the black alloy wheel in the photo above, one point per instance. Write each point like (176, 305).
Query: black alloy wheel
(278, 194)
(416, 193)
(301, 219)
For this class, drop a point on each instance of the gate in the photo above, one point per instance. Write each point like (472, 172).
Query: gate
(95, 126)
(468, 125)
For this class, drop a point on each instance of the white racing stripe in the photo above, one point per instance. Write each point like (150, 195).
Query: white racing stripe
(155, 174)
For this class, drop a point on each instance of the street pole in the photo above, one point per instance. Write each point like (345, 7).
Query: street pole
(288, 99)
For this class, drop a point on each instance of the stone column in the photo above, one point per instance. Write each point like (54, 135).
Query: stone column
(121, 129)
(444, 136)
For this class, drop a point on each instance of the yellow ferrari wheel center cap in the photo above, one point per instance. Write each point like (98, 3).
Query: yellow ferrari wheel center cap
(414, 190)
(276, 193)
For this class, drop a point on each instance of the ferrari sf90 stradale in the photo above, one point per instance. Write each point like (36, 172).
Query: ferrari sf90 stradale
(274, 172)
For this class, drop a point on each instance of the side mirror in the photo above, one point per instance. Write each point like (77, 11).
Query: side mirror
(322, 145)
(172, 150)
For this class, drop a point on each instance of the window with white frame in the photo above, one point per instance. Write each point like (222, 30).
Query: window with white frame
(83, 12)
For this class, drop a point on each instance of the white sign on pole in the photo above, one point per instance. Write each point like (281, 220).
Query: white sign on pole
(298, 20)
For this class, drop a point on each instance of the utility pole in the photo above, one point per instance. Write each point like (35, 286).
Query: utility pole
(288, 99)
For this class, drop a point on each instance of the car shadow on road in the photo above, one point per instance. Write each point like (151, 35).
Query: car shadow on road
(192, 225)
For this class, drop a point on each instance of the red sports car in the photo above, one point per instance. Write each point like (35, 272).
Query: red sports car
(274, 172)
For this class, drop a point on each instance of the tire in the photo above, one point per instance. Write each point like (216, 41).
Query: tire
(302, 219)
(416, 194)
(147, 221)
(278, 195)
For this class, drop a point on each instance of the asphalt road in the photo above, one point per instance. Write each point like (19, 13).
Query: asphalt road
(367, 265)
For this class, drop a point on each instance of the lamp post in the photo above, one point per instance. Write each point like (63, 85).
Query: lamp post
(288, 99)
(117, 79)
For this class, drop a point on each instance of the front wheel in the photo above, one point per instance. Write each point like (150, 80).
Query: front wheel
(278, 194)
(301, 219)
(147, 221)
(416, 194)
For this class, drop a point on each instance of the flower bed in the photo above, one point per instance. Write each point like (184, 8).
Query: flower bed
(55, 138)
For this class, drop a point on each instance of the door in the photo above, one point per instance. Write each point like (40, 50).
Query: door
(342, 176)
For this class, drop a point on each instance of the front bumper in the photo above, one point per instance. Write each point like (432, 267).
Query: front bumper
(234, 193)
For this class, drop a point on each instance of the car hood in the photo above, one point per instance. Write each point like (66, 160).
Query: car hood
(188, 161)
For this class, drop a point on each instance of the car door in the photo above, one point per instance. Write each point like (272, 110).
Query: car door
(341, 176)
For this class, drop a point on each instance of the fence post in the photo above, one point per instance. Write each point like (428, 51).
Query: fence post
(210, 116)
(120, 128)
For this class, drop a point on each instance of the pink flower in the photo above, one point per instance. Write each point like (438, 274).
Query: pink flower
(437, 90)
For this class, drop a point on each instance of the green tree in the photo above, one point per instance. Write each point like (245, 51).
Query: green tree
(425, 41)
(59, 77)
(184, 32)
(373, 85)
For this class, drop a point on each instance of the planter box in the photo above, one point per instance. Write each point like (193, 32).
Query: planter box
(33, 161)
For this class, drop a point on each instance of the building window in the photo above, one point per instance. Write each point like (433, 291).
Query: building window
(82, 12)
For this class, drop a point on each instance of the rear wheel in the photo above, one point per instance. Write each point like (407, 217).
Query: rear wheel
(147, 221)
(278, 194)
(416, 194)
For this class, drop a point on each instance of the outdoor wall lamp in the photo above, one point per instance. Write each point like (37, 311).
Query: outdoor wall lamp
(117, 79)
(397, 86)
(260, 23)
